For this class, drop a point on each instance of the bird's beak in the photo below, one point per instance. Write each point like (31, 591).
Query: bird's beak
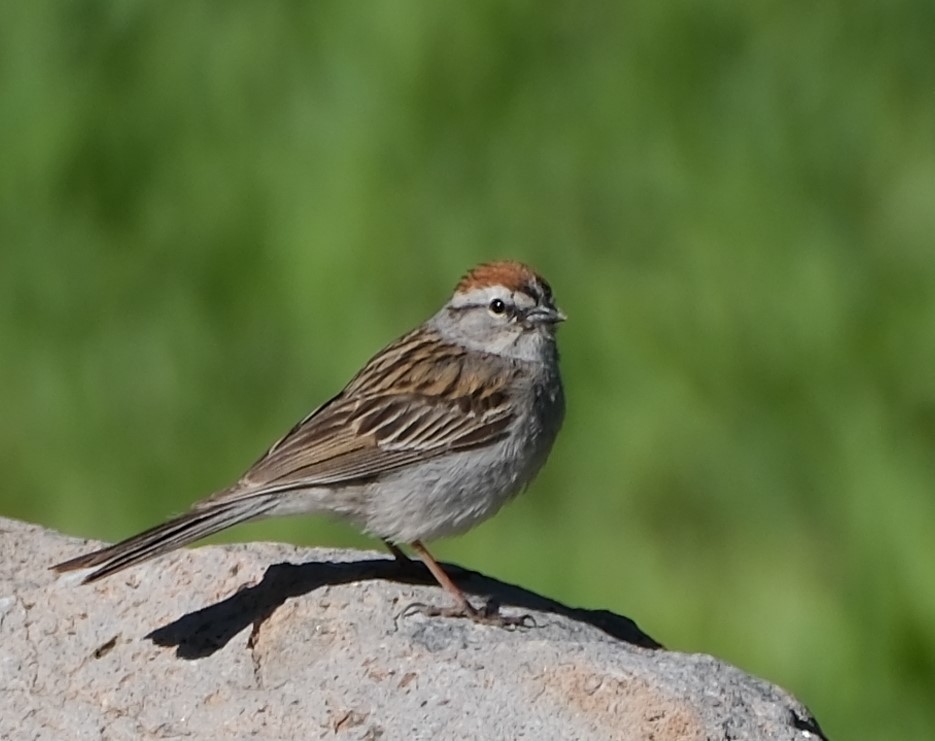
(545, 315)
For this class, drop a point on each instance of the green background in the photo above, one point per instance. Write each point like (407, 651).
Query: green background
(211, 215)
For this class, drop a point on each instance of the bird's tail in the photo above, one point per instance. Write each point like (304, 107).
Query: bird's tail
(177, 532)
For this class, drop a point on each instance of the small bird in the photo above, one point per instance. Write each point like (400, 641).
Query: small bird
(431, 437)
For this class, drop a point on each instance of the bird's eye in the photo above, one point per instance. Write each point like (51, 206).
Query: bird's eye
(497, 306)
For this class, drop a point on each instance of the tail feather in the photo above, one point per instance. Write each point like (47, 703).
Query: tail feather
(175, 533)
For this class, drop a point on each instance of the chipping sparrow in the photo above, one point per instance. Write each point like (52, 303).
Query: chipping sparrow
(435, 434)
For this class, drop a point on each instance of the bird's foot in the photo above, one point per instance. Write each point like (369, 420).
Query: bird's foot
(489, 614)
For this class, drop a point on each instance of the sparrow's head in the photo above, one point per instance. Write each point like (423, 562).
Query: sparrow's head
(502, 307)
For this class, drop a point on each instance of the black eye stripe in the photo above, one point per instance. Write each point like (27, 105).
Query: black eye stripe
(509, 307)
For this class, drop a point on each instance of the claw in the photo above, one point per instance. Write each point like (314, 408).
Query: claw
(489, 614)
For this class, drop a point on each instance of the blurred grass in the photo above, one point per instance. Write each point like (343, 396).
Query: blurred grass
(210, 215)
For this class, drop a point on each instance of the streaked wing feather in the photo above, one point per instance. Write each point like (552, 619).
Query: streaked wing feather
(397, 411)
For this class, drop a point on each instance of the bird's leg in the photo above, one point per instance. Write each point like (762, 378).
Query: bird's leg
(407, 567)
(397, 552)
(441, 577)
(489, 613)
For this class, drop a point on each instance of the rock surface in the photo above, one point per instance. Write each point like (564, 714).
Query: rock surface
(273, 641)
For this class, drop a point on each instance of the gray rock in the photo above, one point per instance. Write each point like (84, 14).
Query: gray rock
(272, 641)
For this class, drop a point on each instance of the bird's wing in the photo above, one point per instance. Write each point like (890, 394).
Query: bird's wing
(417, 399)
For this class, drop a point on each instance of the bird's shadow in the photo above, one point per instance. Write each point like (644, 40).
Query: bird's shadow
(203, 632)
